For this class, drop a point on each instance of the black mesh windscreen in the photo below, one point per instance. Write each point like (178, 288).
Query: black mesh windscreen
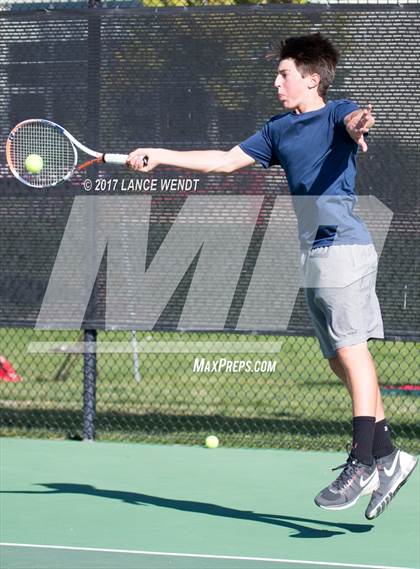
(198, 79)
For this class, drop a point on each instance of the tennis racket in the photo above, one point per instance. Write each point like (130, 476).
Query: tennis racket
(58, 150)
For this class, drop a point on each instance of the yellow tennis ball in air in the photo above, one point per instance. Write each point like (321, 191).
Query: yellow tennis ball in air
(212, 441)
(34, 163)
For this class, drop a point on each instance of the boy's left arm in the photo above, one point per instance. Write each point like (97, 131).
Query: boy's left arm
(358, 123)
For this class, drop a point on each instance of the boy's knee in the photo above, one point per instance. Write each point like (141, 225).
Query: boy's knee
(349, 353)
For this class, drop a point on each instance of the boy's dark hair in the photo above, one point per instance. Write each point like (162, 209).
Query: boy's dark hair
(312, 53)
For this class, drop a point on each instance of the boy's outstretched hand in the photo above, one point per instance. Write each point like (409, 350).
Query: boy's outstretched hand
(358, 123)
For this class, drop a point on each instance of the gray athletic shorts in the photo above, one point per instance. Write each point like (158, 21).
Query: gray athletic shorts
(341, 298)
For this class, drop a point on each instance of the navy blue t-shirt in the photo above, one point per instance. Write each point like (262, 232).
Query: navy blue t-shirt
(319, 159)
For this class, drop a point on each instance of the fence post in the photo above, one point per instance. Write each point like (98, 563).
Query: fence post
(89, 385)
(89, 356)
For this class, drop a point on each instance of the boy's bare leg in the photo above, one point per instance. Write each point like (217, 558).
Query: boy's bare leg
(355, 367)
(338, 369)
(360, 371)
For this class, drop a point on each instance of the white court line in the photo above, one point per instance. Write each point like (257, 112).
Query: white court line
(201, 556)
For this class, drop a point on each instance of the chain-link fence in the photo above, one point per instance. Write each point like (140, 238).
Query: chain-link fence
(269, 391)
(110, 77)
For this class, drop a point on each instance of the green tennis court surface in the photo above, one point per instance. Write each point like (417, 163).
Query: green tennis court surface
(75, 505)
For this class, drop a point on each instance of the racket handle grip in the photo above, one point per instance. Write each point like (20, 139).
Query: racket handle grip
(115, 158)
(120, 158)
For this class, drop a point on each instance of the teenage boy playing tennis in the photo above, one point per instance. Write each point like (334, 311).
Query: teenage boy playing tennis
(316, 142)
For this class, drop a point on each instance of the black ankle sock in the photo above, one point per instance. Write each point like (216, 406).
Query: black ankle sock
(382, 443)
(363, 435)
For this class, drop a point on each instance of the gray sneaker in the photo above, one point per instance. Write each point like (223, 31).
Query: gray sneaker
(356, 479)
(394, 471)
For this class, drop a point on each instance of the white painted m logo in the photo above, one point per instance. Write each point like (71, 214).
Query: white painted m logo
(214, 232)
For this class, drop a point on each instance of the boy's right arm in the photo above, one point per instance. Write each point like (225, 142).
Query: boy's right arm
(205, 161)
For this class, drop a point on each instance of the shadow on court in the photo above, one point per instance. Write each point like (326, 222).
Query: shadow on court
(138, 499)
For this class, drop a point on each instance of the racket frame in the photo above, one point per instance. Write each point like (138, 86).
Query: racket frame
(98, 157)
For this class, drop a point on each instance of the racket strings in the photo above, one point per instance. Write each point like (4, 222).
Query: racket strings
(56, 150)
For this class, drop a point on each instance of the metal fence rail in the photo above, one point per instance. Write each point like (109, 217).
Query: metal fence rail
(63, 4)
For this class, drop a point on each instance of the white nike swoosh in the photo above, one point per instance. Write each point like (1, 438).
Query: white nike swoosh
(390, 471)
(363, 482)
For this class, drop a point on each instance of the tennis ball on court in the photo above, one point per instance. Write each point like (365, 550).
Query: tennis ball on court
(34, 163)
(212, 441)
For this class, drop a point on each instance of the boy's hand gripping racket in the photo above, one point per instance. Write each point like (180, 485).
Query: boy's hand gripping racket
(52, 151)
